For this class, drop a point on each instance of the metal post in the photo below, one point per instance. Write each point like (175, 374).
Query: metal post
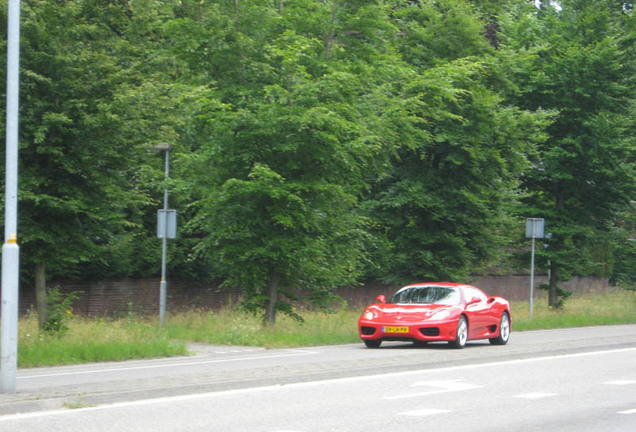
(532, 276)
(163, 286)
(10, 249)
(535, 228)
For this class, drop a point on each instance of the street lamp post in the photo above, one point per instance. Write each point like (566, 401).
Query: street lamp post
(10, 249)
(164, 231)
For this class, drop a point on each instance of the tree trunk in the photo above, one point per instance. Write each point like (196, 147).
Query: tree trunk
(272, 291)
(331, 35)
(40, 293)
(553, 291)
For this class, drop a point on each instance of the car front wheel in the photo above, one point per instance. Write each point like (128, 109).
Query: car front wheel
(462, 334)
(504, 331)
(372, 343)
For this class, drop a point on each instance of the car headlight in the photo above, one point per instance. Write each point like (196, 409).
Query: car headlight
(440, 315)
(369, 315)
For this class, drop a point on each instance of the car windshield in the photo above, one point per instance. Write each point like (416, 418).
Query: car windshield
(427, 294)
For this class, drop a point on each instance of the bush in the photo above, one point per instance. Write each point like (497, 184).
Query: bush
(58, 311)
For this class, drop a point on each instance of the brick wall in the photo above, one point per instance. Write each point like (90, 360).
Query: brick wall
(513, 288)
(119, 297)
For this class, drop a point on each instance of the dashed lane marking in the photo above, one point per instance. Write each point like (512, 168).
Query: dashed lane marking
(436, 387)
(621, 382)
(631, 411)
(535, 395)
(425, 412)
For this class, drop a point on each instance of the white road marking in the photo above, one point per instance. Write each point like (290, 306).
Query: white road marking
(143, 402)
(535, 395)
(425, 412)
(621, 382)
(308, 384)
(294, 353)
(438, 386)
(233, 351)
(632, 411)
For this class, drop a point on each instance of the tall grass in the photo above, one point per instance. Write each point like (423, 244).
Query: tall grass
(235, 327)
(93, 340)
(616, 307)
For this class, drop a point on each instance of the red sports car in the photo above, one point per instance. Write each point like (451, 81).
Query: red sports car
(439, 311)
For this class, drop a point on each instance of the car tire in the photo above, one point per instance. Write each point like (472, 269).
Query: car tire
(461, 336)
(372, 343)
(504, 330)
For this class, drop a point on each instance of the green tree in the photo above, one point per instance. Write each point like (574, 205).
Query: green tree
(289, 142)
(81, 191)
(584, 176)
(447, 205)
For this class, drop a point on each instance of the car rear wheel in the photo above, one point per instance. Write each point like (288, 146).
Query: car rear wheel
(372, 343)
(504, 331)
(462, 334)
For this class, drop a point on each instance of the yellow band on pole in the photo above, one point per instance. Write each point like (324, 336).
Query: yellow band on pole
(13, 238)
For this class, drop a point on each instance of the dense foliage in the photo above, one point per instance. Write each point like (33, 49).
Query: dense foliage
(319, 143)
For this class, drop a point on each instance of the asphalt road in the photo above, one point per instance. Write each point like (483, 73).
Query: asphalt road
(580, 379)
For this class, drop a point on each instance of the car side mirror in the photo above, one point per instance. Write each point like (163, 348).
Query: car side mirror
(381, 299)
(473, 301)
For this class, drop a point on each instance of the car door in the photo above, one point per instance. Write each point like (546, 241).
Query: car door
(478, 312)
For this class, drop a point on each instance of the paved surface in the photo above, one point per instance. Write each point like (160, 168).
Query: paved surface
(217, 368)
(589, 391)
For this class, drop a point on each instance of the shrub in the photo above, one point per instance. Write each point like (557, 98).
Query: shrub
(59, 311)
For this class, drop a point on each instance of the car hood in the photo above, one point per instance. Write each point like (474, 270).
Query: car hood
(409, 312)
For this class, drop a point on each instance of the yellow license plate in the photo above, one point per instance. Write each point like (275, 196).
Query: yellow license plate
(395, 329)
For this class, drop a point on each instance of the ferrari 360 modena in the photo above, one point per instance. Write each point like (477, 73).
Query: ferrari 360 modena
(433, 312)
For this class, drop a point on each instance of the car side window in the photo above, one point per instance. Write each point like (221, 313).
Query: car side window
(470, 293)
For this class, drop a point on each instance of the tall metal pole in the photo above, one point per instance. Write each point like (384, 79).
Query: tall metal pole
(163, 286)
(10, 249)
(532, 276)
(535, 228)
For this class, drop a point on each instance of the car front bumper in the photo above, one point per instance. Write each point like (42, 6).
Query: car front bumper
(429, 331)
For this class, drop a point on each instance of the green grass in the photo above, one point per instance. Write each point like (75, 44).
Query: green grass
(617, 307)
(232, 327)
(94, 340)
